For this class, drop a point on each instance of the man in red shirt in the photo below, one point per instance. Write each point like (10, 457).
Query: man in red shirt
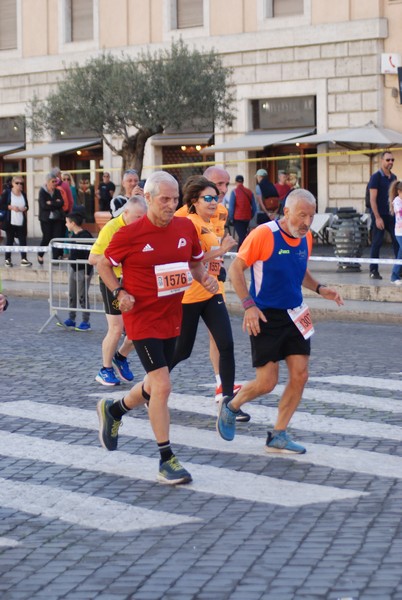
(160, 255)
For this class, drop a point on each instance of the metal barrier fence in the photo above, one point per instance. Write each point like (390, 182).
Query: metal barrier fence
(63, 275)
(60, 270)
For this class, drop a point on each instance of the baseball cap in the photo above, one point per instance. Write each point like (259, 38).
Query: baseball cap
(261, 173)
(117, 205)
(239, 178)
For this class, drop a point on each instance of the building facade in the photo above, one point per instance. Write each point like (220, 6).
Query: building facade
(299, 67)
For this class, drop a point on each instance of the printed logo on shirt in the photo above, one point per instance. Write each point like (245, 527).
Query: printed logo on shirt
(302, 254)
(182, 242)
(147, 248)
(282, 251)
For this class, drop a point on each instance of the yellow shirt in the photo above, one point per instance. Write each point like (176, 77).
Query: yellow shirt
(208, 241)
(104, 238)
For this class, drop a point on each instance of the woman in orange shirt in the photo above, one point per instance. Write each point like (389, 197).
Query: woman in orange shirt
(201, 198)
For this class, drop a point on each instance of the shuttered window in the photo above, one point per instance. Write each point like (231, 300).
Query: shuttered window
(286, 8)
(189, 13)
(81, 20)
(8, 24)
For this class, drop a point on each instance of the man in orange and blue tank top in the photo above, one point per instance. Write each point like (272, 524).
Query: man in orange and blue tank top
(276, 318)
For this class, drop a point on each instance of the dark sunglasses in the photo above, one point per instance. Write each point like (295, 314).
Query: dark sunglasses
(390, 159)
(209, 198)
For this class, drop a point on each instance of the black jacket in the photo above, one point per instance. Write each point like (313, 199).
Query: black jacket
(5, 201)
(56, 202)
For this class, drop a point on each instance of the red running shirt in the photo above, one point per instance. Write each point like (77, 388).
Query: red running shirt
(141, 247)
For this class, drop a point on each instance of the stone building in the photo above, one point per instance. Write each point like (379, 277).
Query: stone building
(299, 67)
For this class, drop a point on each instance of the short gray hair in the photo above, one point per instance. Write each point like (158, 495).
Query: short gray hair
(299, 194)
(153, 182)
(137, 200)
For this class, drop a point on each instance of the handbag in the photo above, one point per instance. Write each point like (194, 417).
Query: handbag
(56, 215)
(4, 219)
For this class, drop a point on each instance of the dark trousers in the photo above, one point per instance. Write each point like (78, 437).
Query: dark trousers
(377, 238)
(241, 228)
(215, 316)
(16, 232)
(50, 230)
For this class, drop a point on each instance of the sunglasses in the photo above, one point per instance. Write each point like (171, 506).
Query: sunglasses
(209, 198)
(390, 160)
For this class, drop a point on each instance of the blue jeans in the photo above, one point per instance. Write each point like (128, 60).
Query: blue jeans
(397, 270)
(377, 238)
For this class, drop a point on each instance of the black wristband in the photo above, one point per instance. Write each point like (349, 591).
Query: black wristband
(319, 286)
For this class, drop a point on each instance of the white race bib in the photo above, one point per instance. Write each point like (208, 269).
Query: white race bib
(172, 278)
(302, 319)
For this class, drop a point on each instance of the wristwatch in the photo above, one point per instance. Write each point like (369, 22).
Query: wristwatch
(116, 292)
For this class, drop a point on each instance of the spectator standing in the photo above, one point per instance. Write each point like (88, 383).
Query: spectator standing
(51, 215)
(15, 204)
(130, 186)
(381, 218)
(395, 209)
(105, 191)
(67, 177)
(86, 198)
(283, 188)
(80, 275)
(267, 197)
(65, 189)
(242, 208)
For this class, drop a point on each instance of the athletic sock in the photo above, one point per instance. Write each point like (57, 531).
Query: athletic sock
(118, 409)
(277, 432)
(218, 379)
(165, 451)
(119, 356)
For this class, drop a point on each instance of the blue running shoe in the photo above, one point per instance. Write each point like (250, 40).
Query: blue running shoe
(123, 369)
(173, 473)
(226, 421)
(69, 323)
(107, 377)
(108, 427)
(83, 327)
(283, 443)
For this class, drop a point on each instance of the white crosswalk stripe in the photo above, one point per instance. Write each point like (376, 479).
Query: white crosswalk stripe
(82, 509)
(94, 511)
(335, 457)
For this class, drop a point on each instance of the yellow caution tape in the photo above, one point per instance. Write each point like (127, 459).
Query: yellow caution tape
(209, 163)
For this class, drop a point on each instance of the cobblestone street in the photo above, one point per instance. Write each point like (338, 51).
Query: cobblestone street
(80, 523)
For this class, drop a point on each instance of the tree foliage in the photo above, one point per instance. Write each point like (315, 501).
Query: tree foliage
(164, 89)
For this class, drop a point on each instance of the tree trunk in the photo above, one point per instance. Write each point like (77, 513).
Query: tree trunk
(132, 151)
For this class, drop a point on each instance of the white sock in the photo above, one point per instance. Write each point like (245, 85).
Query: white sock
(218, 380)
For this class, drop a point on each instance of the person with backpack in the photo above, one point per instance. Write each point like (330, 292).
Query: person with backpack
(242, 208)
(267, 196)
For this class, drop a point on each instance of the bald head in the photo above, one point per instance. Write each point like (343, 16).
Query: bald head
(220, 177)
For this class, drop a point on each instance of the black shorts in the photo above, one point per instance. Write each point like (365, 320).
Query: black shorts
(278, 338)
(111, 304)
(154, 353)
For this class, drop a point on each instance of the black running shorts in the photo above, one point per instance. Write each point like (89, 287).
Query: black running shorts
(154, 353)
(111, 304)
(278, 338)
